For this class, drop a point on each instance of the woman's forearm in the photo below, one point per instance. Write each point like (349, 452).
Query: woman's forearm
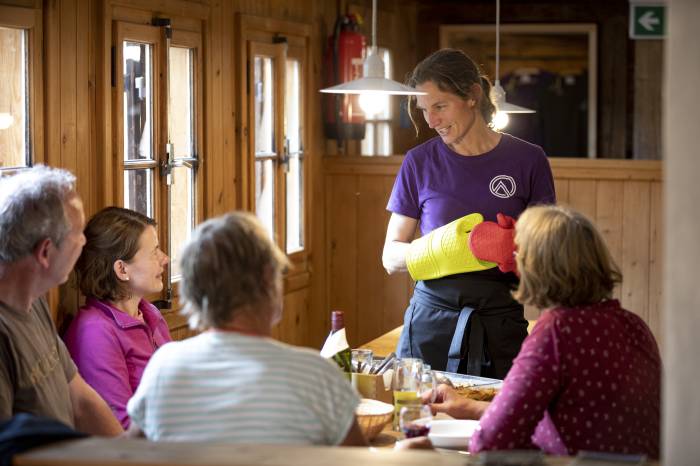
(394, 256)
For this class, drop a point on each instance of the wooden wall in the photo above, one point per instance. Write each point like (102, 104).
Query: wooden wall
(73, 126)
(630, 72)
(622, 197)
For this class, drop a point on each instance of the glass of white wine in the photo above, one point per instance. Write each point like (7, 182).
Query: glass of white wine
(406, 384)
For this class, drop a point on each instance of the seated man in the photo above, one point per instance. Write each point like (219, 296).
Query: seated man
(233, 383)
(41, 236)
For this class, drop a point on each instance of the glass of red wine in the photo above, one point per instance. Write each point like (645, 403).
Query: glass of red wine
(414, 420)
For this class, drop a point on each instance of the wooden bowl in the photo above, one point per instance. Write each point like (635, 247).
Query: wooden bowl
(372, 416)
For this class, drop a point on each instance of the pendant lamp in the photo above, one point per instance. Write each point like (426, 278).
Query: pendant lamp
(373, 81)
(498, 95)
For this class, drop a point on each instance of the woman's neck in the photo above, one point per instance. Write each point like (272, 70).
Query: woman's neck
(249, 324)
(129, 306)
(479, 140)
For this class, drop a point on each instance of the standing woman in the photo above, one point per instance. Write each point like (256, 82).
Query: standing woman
(465, 322)
(117, 331)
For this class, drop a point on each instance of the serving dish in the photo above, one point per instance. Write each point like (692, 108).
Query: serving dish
(453, 434)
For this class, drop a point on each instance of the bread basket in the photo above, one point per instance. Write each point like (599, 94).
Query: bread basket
(373, 415)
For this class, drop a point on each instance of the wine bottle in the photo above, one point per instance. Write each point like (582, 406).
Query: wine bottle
(336, 345)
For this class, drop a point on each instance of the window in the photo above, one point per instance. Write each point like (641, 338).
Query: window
(377, 139)
(159, 134)
(276, 67)
(294, 160)
(18, 59)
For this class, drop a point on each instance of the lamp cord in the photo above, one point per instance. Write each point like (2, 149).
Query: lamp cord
(498, 37)
(374, 26)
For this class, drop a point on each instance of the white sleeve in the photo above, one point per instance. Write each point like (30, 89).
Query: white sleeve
(339, 404)
(137, 407)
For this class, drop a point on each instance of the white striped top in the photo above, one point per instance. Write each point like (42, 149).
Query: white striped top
(230, 387)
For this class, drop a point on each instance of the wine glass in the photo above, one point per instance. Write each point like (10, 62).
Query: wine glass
(406, 383)
(428, 383)
(414, 420)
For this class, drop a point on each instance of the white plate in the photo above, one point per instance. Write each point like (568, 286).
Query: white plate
(452, 433)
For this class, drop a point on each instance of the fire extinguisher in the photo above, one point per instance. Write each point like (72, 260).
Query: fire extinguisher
(343, 59)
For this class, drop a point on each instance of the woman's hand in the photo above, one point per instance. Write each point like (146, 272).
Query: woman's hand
(449, 401)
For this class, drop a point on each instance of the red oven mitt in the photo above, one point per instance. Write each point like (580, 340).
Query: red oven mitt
(494, 242)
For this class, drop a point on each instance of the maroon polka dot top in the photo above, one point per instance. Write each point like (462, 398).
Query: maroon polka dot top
(586, 378)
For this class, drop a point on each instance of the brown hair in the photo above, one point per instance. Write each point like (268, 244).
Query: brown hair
(562, 259)
(112, 234)
(229, 266)
(452, 71)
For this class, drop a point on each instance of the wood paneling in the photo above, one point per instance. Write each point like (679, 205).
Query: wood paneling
(623, 198)
(293, 327)
(648, 78)
(616, 76)
(74, 127)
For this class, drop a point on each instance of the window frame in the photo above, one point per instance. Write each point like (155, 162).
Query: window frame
(192, 40)
(156, 36)
(30, 19)
(298, 38)
(298, 53)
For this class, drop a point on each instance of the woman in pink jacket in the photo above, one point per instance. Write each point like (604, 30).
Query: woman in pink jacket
(117, 330)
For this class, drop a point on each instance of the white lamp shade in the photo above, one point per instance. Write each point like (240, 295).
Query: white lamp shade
(372, 86)
(498, 96)
(373, 81)
(505, 107)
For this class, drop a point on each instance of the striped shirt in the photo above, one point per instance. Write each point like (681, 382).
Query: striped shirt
(230, 387)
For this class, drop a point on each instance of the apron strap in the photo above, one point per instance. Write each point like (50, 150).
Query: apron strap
(476, 355)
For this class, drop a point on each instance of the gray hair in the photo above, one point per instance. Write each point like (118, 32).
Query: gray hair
(32, 209)
(229, 266)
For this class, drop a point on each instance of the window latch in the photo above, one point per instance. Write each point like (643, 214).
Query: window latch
(284, 160)
(166, 167)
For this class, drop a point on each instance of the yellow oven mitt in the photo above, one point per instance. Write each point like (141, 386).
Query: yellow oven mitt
(445, 251)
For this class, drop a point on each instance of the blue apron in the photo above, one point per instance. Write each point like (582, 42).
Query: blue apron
(466, 323)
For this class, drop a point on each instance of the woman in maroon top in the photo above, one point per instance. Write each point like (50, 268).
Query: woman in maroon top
(588, 377)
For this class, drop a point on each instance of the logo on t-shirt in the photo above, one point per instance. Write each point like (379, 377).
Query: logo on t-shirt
(502, 186)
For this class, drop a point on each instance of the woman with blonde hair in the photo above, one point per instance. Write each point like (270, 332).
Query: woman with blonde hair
(233, 383)
(588, 377)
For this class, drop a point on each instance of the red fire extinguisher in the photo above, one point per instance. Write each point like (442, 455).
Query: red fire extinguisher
(345, 52)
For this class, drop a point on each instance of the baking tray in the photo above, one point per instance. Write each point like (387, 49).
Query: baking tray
(470, 380)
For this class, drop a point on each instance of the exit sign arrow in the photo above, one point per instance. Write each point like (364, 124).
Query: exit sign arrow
(647, 20)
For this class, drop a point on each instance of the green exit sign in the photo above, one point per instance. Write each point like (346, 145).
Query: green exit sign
(647, 21)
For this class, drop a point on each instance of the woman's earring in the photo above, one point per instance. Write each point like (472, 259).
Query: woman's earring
(126, 279)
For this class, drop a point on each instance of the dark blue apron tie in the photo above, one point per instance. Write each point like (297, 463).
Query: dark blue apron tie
(454, 357)
(468, 318)
(475, 350)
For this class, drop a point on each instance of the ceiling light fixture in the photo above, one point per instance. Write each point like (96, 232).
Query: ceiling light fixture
(498, 95)
(373, 81)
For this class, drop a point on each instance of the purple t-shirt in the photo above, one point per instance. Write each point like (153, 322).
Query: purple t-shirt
(111, 349)
(436, 185)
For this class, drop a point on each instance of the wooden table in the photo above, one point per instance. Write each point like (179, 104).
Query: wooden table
(133, 452)
(385, 344)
